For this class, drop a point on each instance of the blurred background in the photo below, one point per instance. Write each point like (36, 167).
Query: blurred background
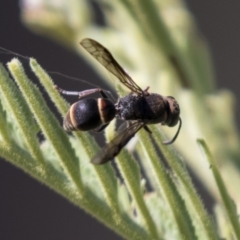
(29, 210)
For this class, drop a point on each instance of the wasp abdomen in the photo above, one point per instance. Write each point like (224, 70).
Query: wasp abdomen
(88, 114)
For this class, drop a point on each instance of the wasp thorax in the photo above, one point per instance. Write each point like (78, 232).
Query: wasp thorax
(174, 112)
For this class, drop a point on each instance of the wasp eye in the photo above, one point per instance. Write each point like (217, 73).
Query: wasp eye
(174, 112)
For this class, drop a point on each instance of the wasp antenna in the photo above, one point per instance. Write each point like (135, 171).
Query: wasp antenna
(72, 78)
(176, 135)
(7, 51)
(77, 79)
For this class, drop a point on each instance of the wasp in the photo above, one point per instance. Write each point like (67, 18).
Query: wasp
(138, 109)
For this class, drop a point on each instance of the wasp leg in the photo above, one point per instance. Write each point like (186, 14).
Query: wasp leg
(101, 128)
(147, 129)
(82, 93)
(176, 134)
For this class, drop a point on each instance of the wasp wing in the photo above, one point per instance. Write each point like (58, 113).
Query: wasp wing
(115, 146)
(102, 55)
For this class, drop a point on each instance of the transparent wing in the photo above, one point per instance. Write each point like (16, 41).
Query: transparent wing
(102, 55)
(115, 146)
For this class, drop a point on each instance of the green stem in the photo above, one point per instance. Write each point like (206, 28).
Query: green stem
(200, 213)
(104, 174)
(48, 124)
(126, 227)
(180, 214)
(130, 172)
(226, 199)
(22, 115)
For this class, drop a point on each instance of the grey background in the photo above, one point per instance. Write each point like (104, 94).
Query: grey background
(29, 210)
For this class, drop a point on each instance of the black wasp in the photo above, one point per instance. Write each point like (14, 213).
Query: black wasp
(138, 108)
